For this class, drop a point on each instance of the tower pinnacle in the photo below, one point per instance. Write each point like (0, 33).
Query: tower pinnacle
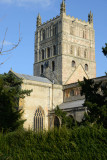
(63, 7)
(38, 20)
(90, 17)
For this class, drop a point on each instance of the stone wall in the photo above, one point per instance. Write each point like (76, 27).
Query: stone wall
(44, 95)
(78, 45)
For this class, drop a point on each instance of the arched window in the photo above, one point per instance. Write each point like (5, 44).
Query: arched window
(86, 67)
(43, 54)
(73, 64)
(39, 120)
(48, 52)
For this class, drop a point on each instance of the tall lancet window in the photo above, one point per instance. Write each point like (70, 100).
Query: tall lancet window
(39, 120)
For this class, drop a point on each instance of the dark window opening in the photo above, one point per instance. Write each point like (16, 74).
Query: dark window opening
(48, 54)
(73, 64)
(41, 69)
(86, 67)
(53, 66)
(54, 50)
(43, 34)
(43, 54)
(54, 30)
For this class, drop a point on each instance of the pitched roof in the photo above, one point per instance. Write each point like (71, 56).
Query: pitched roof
(32, 78)
(72, 104)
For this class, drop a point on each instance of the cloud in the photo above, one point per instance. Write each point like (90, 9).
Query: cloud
(26, 2)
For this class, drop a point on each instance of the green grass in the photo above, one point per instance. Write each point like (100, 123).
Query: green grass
(79, 143)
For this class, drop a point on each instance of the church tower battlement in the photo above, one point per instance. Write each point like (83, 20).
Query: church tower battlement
(65, 48)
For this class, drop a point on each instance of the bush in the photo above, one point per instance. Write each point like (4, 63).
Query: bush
(79, 143)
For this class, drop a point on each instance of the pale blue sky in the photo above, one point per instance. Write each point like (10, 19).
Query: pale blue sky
(13, 12)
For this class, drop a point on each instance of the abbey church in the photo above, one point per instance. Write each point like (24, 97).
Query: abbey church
(64, 53)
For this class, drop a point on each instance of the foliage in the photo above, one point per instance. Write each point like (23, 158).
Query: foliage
(67, 121)
(104, 50)
(83, 143)
(95, 101)
(10, 92)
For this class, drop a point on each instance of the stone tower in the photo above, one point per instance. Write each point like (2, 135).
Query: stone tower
(65, 48)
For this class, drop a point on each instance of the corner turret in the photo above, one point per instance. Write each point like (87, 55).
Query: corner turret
(38, 20)
(63, 7)
(90, 17)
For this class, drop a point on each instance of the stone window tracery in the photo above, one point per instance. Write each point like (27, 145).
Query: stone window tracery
(39, 120)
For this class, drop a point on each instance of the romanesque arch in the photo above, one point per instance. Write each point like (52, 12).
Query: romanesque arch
(39, 119)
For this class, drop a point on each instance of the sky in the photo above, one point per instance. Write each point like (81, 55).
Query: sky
(24, 12)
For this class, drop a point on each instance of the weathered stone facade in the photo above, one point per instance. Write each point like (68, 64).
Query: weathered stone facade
(45, 96)
(62, 45)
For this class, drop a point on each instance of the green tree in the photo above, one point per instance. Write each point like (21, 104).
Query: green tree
(104, 50)
(10, 93)
(95, 101)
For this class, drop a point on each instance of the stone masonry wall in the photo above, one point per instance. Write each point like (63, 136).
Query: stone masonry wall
(44, 95)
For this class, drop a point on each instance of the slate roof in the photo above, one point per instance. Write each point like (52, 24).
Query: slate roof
(72, 104)
(32, 78)
(97, 79)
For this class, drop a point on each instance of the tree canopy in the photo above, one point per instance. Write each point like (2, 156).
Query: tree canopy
(95, 99)
(104, 50)
(10, 93)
